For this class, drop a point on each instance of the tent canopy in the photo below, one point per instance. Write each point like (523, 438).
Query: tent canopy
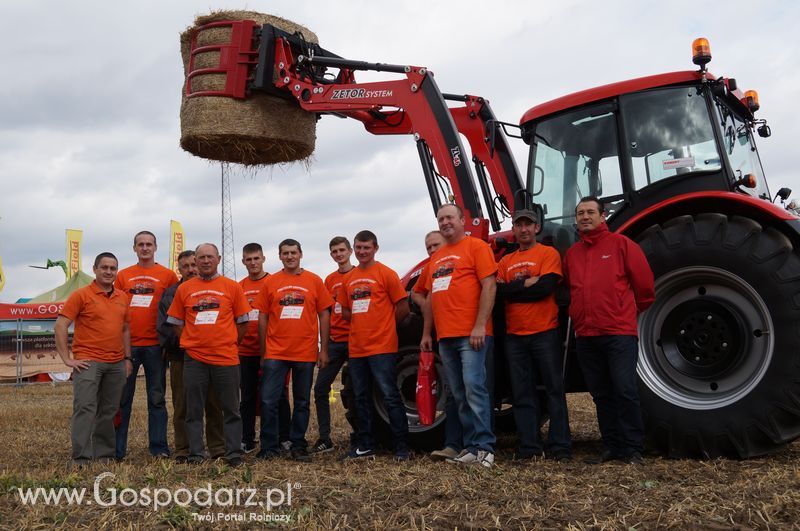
(78, 280)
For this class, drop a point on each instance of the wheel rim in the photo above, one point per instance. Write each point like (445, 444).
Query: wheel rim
(706, 342)
(407, 363)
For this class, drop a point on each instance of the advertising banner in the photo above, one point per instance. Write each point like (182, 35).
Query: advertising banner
(177, 244)
(73, 251)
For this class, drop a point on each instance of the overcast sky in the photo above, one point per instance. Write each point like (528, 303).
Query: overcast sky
(90, 96)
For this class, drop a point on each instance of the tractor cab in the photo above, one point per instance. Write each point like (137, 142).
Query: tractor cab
(641, 142)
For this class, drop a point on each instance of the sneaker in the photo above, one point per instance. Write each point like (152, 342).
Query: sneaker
(444, 454)
(286, 446)
(195, 459)
(180, 459)
(634, 459)
(234, 462)
(161, 455)
(267, 454)
(485, 458)
(249, 447)
(300, 454)
(604, 457)
(465, 457)
(358, 453)
(323, 446)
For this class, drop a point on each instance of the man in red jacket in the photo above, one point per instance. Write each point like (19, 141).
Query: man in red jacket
(610, 283)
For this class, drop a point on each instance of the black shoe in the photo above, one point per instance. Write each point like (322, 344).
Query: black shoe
(249, 447)
(560, 457)
(357, 454)
(234, 462)
(181, 459)
(402, 454)
(267, 454)
(604, 457)
(300, 454)
(526, 455)
(323, 446)
(633, 459)
(195, 459)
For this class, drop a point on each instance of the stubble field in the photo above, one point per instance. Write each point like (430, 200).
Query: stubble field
(421, 494)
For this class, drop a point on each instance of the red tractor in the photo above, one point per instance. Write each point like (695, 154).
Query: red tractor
(674, 158)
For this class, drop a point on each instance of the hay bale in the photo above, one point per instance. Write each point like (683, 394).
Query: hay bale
(261, 129)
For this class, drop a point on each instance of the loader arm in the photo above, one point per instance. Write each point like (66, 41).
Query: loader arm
(288, 66)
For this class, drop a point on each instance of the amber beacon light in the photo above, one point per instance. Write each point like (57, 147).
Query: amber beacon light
(751, 100)
(701, 52)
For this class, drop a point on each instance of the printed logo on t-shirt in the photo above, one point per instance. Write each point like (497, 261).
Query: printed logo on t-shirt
(361, 295)
(141, 285)
(293, 298)
(206, 303)
(443, 274)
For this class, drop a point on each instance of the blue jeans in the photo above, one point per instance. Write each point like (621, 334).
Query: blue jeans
(533, 358)
(383, 370)
(337, 355)
(467, 377)
(155, 373)
(609, 368)
(273, 377)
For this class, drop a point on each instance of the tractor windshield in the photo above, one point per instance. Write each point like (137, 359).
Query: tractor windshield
(668, 133)
(573, 155)
(662, 133)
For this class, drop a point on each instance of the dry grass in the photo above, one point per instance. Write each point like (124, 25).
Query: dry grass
(757, 494)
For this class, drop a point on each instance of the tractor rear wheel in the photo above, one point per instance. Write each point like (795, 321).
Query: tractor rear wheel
(719, 348)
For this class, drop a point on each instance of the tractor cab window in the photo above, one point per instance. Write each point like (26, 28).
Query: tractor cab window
(668, 133)
(740, 148)
(573, 155)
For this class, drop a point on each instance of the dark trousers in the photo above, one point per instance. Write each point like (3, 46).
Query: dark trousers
(533, 358)
(249, 367)
(198, 377)
(382, 368)
(609, 368)
(337, 355)
(155, 374)
(215, 439)
(273, 378)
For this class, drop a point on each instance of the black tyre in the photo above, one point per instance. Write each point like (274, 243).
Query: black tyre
(718, 364)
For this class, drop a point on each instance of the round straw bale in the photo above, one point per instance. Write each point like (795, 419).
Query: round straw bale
(261, 129)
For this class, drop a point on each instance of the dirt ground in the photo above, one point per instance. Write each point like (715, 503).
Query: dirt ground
(421, 494)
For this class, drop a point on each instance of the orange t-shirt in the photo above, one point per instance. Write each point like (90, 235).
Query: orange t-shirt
(144, 287)
(99, 320)
(419, 287)
(209, 310)
(340, 328)
(249, 345)
(371, 296)
(525, 318)
(292, 304)
(453, 277)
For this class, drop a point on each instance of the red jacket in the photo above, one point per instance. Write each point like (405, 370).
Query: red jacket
(610, 283)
